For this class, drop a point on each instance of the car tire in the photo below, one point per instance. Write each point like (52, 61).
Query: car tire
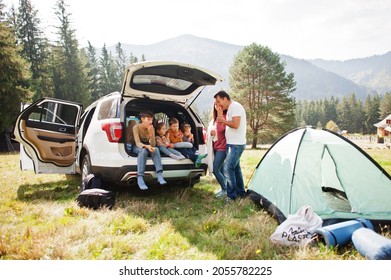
(85, 168)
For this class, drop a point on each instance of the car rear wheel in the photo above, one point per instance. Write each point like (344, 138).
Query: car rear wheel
(85, 167)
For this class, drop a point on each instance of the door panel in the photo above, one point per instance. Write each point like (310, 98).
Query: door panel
(48, 130)
(52, 146)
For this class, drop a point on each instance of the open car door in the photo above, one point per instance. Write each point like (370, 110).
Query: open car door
(47, 132)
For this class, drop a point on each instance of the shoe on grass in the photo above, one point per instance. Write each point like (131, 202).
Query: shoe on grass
(221, 194)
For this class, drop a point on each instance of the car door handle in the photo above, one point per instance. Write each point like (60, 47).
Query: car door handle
(62, 129)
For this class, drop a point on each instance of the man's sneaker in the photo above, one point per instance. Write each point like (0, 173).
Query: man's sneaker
(221, 194)
(229, 200)
(244, 195)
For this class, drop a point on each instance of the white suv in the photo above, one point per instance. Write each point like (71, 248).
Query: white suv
(57, 138)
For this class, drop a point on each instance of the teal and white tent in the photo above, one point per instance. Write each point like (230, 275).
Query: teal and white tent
(324, 170)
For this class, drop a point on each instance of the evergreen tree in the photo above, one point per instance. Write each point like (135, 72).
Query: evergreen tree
(330, 109)
(108, 79)
(12, 20)
(14, 75)
(299, 113)
(311, 114)
(68, 71)
(132, 58)
(372, 113)
(120, 63)
(345, 117)
(121, 59)
(34, 48)
(385, 105)
(259, 82)
(321, 105)
(357, 110)
(92, 72)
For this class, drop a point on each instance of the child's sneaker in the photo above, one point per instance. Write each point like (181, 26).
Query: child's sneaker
(181, 157)
(174, 156)
(199, 159)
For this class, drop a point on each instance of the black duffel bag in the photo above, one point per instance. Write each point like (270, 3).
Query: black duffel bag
(96, 198)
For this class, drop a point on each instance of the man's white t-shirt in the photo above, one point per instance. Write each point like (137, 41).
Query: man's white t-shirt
(236, 136)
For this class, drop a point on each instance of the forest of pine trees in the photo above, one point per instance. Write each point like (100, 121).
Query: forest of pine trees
(350, 114)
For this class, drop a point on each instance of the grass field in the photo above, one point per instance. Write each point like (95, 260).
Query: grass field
(41, 220)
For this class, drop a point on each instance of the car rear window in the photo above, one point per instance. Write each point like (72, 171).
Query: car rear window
(177, 84)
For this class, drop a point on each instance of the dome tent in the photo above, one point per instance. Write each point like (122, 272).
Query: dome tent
(322, 169)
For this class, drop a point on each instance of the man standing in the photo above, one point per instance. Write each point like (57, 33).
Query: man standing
(235, 134)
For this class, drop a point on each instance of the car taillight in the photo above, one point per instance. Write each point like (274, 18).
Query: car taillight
(113, 131)
(204, 134)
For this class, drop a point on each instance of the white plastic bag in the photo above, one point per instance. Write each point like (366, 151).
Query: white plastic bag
(297, 229)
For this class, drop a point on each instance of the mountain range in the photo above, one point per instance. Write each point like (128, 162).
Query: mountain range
(315, 79)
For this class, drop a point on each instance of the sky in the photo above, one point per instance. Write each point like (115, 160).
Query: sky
(307, 29)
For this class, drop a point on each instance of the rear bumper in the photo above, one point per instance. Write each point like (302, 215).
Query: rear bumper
(127, 175)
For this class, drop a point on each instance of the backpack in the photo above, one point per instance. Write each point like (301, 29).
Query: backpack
(93, 196)
(90, 182)
(96, 198)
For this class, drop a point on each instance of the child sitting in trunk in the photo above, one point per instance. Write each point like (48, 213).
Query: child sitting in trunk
(144, 146)
(187, 135)
(163, 142)
(186, 148)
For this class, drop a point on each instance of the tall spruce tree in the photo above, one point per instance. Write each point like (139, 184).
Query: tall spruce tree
(92, 72)
(68, 71)
(331, 109)
(258, 80)
(120, 62)
(345, 116)
(132, 58)
(357, 111)
(372, 113)
(34, 48)
(385, 105)
(14, 75)
(108, 79)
